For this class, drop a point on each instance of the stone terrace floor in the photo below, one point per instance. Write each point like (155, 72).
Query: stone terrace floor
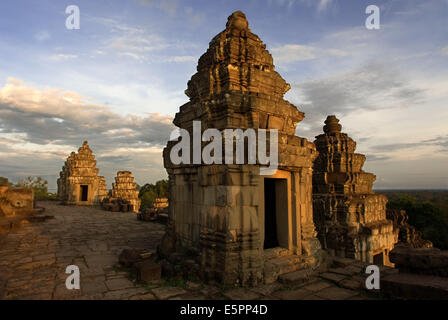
(33, 260)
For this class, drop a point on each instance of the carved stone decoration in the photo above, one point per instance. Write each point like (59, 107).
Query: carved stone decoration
(350, 218)
(79, 182)
(240, 227)
(407, 234)
(16, 202)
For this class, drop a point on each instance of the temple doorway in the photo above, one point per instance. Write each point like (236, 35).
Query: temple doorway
(84, 192)
(276, 212)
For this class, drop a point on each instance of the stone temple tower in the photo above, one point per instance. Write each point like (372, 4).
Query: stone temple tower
(228, 222)
(125, 188)
(350, 217)
(78, 181)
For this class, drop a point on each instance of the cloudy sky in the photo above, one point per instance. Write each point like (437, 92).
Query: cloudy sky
(118, 80)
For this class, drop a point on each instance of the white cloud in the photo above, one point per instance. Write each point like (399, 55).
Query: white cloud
(141, 44)
(181, 59)
(62, 57)
(40, 127)
(294, 52)
(62, 117)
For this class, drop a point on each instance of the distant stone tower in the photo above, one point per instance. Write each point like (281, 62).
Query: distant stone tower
(350, 217)
(78, 181)
(125, 188)
(240, 227)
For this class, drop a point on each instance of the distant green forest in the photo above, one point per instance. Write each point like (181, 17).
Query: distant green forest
(427, 211)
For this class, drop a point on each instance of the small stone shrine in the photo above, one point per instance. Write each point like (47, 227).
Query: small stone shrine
(79, 182)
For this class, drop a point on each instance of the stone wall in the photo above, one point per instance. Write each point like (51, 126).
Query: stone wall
(350, 218)
(79, 175)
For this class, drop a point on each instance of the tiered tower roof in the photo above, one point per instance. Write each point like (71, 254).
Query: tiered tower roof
(125, 188)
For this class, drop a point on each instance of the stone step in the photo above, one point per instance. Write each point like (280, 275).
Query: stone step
(275, 253)
(297, 277)
(415, 286)
(273, 268)
(287, 264)
(333, 277)
(340, 262)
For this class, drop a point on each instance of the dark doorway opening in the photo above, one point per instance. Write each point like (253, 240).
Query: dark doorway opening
(378, 259)
(270, 219)
(84, 193)
(275, 213)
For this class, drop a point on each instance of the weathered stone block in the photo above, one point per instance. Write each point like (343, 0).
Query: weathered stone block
(149, 270)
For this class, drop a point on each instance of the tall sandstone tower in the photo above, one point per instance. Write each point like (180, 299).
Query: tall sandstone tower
(78, 181)
(350, 217)
(232, 224)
